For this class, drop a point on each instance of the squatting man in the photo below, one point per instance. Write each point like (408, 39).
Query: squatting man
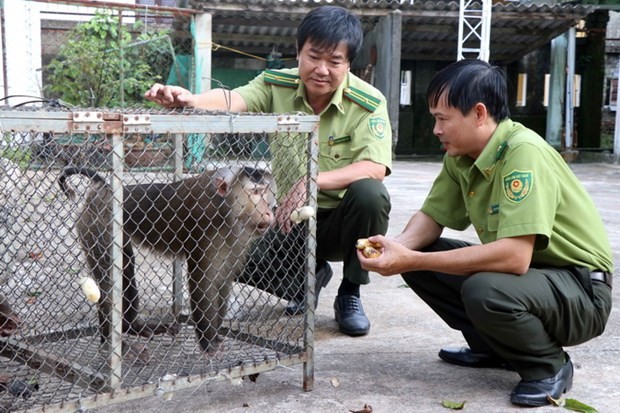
(541, 278)
(355, 155)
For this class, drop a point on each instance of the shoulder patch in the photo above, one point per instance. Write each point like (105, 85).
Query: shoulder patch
(275, 77)
(377, 127)
(518, 185)
(368, 102)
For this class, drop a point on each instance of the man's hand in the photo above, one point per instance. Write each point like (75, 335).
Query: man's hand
(393, 258)
(294, 199)
(169, 96)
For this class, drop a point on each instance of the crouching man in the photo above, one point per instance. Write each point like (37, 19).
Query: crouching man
(541, 278)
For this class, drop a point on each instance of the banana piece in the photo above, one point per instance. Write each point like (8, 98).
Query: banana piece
(90, 289)
(363, 243)
(370, 252)
(302, 214)
(369, 249)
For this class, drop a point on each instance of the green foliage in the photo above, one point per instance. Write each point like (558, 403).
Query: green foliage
(19, 155)
(99, 56)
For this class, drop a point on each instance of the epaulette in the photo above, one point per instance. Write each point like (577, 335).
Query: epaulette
(500, 150)
(275, 77)
(368, 102)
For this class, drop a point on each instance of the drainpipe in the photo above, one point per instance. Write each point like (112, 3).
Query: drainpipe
(3, 45)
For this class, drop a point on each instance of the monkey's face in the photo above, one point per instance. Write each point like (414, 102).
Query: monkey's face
(257, 204)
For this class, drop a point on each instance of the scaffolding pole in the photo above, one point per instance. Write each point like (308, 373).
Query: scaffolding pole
(474, 25)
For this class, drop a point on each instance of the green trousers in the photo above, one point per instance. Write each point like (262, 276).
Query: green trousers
(277, 261)
(526, 319)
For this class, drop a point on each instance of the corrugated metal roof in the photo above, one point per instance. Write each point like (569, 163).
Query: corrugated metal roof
(430, 28)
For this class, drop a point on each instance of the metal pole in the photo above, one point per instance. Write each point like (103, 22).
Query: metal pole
(116, 290)
(570, 90)
(617, 128)
(177, 267)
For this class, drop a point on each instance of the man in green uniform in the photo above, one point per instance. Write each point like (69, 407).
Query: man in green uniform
(355, 143)
(541, 277)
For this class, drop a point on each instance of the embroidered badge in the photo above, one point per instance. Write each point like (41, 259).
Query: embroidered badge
(518, 185)
(377, 127)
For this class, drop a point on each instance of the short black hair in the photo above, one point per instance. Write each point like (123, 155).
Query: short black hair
(328, 26)
(468, 82)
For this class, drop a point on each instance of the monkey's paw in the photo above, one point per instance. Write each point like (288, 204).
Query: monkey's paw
(9, 320)
(136, 352)
(214, 350)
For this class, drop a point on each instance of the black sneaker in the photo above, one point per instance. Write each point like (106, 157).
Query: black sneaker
(350, 315)
(324, 274)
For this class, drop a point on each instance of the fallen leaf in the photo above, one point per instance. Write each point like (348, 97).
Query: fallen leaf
(452, 405)
(31, 300)
(366, 409)
(335, 382)
(573, 405)
(35, 255)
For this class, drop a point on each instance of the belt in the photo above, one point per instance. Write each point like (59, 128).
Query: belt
(604, 277)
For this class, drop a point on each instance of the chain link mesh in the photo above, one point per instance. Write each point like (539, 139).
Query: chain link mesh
(56, 356)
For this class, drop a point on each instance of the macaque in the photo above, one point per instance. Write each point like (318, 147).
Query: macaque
(210, 220)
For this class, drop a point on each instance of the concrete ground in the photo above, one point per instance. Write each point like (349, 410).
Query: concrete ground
(395, 367)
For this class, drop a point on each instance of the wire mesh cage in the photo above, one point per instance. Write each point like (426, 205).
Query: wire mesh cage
(136, 252)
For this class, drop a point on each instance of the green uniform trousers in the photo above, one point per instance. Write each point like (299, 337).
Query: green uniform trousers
(525, 319)
(277, 261)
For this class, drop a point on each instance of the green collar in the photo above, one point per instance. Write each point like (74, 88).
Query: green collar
(494, 150)
(336, 99)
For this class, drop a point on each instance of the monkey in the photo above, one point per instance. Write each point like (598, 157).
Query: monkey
(210, 220)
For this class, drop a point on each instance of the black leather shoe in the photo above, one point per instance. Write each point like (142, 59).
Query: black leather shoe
(324, 274)
(350, 315)
(534, 392)
(463, 356)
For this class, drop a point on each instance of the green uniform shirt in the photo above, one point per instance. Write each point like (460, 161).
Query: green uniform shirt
(353, 127)
(520, 185)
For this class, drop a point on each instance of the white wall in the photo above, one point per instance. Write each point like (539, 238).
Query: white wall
(22, 44)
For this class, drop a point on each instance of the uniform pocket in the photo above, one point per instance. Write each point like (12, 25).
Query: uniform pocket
(336, 154)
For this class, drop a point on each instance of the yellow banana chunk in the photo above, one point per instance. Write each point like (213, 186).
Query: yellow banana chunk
(363, 243)
(370, 252)
(90, 289)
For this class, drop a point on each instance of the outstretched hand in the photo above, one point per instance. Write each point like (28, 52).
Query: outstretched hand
(169, 96)
(392, 259)
(294, 199)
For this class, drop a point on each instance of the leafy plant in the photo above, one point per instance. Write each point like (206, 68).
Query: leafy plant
(20, 155)
(103, 65)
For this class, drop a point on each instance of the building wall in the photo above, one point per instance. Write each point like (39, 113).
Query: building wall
(21, 45)
(612, 59)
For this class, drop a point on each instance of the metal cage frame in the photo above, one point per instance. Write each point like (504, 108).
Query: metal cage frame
(117, 124)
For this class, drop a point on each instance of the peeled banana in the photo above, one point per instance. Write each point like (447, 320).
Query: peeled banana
(369, 249)
(90, 289)
(302, 214)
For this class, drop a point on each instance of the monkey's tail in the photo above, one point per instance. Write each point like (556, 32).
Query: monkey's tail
(75, 170)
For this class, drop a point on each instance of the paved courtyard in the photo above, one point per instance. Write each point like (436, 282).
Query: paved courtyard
(395, 368)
